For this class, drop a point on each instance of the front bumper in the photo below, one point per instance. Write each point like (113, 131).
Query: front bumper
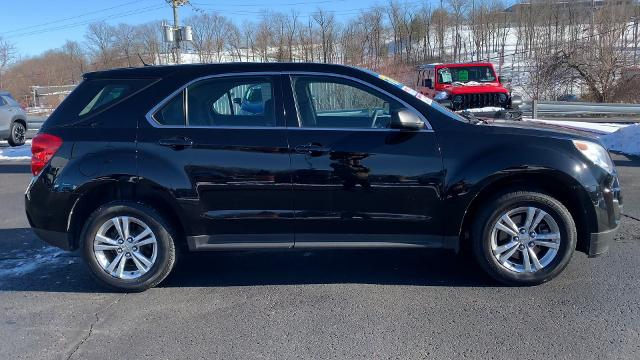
(55, 238)
(600, 242)
(607, 201)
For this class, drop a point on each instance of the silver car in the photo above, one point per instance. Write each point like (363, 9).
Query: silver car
(13, 120)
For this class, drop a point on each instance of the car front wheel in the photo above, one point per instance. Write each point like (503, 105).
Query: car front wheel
(128, 246)
(523, 238)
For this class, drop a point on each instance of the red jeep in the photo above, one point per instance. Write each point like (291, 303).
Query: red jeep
(472, 87)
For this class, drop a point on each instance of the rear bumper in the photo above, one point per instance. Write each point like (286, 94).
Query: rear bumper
(55, 238)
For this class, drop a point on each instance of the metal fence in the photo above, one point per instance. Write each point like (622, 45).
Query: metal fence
(582, 111)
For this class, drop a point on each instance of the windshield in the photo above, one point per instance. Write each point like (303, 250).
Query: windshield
(424, 99)
(466, 74)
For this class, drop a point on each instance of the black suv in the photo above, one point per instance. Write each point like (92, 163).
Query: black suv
(139, 164)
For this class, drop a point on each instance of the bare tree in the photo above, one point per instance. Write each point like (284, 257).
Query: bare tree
(7, 56)
(100, 39)
(326, 22)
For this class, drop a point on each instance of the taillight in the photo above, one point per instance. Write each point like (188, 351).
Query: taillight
(43, 147)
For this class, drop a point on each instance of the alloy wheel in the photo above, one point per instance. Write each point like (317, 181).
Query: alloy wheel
(525, 239)
(125, 247)
(18, 133)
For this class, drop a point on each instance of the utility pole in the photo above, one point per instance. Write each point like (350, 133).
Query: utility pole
(175, 34)
(176, 24)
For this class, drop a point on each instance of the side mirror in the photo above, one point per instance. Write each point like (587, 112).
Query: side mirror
(406, 120)
(237, 101)
(427, 83)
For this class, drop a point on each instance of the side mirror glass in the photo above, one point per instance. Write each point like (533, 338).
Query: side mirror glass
(237, 101)
(406, 120)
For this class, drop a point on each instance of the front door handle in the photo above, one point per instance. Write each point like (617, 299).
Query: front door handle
(312, 148)
(178, 142)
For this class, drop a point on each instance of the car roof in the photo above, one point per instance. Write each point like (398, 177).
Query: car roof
(463, 64)
(6, 93)
(160, 71)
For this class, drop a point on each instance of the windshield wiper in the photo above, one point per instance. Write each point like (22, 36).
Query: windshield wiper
(472, 118)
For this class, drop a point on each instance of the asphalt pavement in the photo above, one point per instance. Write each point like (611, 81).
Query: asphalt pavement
(316, 305)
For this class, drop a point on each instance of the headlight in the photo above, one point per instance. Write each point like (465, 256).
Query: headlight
(595, 153)
(458, 99)
(516, 100)
(441, 95)
(502, 98)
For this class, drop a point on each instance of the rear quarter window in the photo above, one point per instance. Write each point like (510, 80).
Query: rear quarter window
(92, 97)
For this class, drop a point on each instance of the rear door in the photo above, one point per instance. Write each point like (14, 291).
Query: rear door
(356, 181)
(227, 163)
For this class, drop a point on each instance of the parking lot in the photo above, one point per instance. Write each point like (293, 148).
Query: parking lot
(325, 304)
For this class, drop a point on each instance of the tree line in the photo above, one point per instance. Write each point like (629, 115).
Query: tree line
(548, 48)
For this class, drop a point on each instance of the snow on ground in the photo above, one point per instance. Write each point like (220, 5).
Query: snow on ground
(597, 128)
(485, 109)
(27, 261)
(19, 153)
(626, 140)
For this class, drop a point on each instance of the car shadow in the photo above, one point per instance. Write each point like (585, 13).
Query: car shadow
(27, 264)
(415, 267)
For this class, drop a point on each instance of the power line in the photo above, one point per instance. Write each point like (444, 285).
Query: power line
(86, 22)
(72, 17)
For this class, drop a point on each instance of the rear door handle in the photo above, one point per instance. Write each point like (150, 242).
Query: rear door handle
(313, 149)
(178, 142)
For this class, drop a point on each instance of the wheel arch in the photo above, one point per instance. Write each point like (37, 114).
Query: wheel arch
(21, 120)
(99, 193)
(553, 183)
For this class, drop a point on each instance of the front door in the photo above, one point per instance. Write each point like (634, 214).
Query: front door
(229, 161)
(356, 181)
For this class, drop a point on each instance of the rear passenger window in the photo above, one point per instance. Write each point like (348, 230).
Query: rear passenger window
(173, 112)
(225, 102)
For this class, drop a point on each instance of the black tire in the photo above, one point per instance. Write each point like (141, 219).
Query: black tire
(17, 134)
(166, 253)
(488, 216)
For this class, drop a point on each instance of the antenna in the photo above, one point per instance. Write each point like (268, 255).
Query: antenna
(142, 60)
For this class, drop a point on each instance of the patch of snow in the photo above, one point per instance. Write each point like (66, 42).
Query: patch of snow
(30, 261)
(597, 128)
(485, 109)
(626, 140)
(16, 153)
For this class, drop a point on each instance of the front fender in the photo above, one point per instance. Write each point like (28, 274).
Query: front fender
(469, 176)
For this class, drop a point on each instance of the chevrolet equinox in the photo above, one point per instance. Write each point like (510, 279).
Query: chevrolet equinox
(138, 165)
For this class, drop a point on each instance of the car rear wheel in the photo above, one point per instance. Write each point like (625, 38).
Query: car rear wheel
(523, 238)
(128, 246)
(17, 134)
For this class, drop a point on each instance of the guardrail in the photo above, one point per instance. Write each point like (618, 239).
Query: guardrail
(582, 111)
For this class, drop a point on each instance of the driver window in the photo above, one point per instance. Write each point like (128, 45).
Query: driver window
(327, 102)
